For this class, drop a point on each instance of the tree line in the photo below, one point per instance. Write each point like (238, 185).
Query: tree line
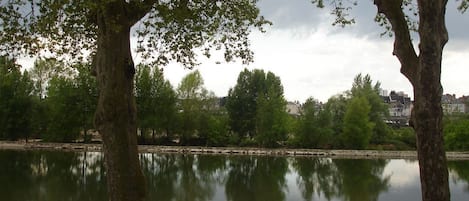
(56, 102)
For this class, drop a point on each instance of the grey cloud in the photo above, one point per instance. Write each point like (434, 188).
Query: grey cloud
(298, 14)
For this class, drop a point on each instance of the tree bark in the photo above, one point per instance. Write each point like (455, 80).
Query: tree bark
(424, 72)
(428, 113)
(115, 117)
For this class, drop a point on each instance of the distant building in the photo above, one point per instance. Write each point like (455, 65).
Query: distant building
(453, 105)
(293, 108)
(400, 107)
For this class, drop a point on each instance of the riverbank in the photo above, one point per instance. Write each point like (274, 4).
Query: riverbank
(364, 154)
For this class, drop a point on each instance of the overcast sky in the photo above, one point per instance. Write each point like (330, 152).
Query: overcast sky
(315, 59)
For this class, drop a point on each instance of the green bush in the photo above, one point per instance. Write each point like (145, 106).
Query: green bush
(456, 134)
(406, 136)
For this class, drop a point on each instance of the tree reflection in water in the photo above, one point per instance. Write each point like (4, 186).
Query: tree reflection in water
(461, 168)
(316, 176)
(351, 180)
(362, 179)
(181, 177)
(256, 178)
(38, 176)
(58, 176)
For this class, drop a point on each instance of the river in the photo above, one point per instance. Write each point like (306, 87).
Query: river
(80, 176)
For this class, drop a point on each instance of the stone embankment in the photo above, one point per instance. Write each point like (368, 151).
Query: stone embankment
(232, 151)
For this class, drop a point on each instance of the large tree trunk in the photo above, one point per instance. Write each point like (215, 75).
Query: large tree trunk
(115, 117)
(428, 114)
(424, 72)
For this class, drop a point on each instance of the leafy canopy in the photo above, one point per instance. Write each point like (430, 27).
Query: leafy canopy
(169, 30)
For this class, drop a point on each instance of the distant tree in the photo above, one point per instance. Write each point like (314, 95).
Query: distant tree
(314, 129)
(336, 107)
(191, 94)
(165, 107)
(87, 97)
(43, 71)
(242, 102)
(213, 126)
(357, 126)
(15, 101)
(257, 108)
(363, 87)
(271, 115)
(145, 99)
(156, 102)
(64, 124)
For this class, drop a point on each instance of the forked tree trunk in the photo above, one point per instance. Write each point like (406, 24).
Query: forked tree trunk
(424, 72)
(115, 117)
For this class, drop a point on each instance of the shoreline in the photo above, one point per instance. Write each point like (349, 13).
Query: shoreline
(248, 151)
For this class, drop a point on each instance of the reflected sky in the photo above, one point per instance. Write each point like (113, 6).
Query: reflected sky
(50, 176)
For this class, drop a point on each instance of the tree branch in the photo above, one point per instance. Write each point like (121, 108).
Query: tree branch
(137, 9)
(403, 48)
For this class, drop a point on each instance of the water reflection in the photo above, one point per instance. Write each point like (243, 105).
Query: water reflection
(256, 178)
(54, 176)
(350, 180)
(461, 171)
(51, 176)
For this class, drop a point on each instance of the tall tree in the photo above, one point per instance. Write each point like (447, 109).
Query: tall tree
(166, 104)
(144, 95)
(336, 107)
(363, 87)
(271, 115)
(167, 30)
(15, 101)
(423, 70)
(242, 102)
(256, 107)
(87, 97)
(191, 94)
(43, 71)
(357, 126)
(314, 129)
(156, 101)
(64, 110)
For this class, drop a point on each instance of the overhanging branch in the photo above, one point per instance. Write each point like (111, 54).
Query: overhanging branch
(403, 48)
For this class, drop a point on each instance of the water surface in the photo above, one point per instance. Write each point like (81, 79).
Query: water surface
(68, 176)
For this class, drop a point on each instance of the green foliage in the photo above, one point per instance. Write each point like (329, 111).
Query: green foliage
(173, 30)
(257, 108)
(66, 107)
(456, 134)
(15, 101)
(405, 135)
(44, 70)
(87, 97)
(357, 126)
(271, 117)
(156, 101)
(64, 126)
(241, 103)
(214, 129)
(314, 129)
(191, 94)
(363, 87)
(336, 106)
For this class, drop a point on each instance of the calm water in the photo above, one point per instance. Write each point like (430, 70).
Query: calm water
(59, 176)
